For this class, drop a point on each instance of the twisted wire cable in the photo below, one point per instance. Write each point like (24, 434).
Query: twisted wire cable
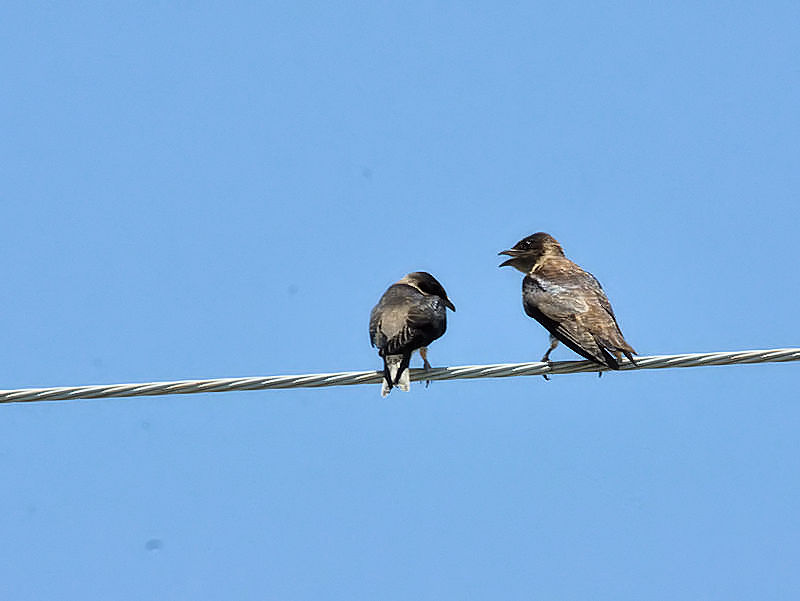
(462, 372)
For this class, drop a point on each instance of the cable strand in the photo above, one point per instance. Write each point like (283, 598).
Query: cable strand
(461, 372)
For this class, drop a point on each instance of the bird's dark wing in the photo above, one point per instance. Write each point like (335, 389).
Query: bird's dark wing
(555, 297)
(427, 318)
(375, 335)
(607, 332)
(600, 294)
(571, 305)
(555, 308)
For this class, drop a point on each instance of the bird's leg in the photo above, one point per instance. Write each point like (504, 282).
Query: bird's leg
(553, 345)
(546, 358)
(423, 352)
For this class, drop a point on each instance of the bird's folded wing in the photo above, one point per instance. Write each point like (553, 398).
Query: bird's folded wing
(555, 303)
(557, 298)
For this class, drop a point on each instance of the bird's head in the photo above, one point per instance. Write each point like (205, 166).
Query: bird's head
(427, 284)
(528, 251)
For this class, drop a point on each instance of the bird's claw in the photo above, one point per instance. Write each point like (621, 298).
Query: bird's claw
(546, 359)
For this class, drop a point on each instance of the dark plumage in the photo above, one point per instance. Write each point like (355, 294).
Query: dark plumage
(568, 301)
(409, 316)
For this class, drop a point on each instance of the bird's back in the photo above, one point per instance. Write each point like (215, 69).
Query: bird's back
(405, 319)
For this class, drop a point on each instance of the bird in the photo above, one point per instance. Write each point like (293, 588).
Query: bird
(410, 315)
(568, 301)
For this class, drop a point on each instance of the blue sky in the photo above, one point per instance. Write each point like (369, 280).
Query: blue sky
(199, 190)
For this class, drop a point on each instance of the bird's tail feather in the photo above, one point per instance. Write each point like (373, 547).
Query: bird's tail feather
(616, 347)
(627, 352)
(403, 381)
(402, 378)
(609, 359)
(395, 373)
(386, 387)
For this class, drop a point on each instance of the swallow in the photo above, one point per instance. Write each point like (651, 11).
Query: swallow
(568, 301)
(410, 315)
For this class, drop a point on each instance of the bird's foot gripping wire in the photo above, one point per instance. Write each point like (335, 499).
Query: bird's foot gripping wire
(546, 357)
(423, 352)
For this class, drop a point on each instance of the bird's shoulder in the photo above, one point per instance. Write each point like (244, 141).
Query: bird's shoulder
(558, 287)
(408, 300)
(562, 271)
(562, 274)
(399, 294)
(566, 285)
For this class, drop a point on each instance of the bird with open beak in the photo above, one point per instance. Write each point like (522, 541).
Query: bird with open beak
(410, 315)
(568, 301)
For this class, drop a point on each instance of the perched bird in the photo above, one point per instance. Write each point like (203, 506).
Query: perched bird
(409, 316)
(568, 301)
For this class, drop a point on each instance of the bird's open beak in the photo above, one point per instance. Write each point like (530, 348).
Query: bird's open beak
(511, 253)
(449, 304)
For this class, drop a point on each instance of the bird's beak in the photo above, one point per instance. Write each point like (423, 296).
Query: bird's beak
(511, 253)
(449, 305)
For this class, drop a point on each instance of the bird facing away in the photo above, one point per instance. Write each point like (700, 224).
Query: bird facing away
(568, 301)
(409, 316)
